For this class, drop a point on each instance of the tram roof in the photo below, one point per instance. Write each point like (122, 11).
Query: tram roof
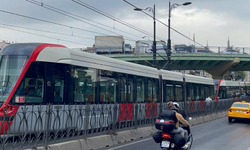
(198, 79)
(80, 58)
(170, 75)
(244, 83)
(229, 83)
(19, 49)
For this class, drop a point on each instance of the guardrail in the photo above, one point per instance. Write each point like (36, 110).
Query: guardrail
(33, 126)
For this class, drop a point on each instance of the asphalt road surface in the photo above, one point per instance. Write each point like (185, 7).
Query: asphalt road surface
(214, 135)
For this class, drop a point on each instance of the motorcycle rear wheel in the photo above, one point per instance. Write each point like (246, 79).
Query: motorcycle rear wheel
(191, 140)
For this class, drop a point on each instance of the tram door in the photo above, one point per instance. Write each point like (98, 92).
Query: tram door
(55, 77)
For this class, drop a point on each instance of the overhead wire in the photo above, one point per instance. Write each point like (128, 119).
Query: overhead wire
(113, 18)
(51, 32)
(76, 17)
(46, 31)
(20, 15)
(170, 27)
(163, 23)
(42, 20)
(57, 10)
(59, 33)
(43, 36)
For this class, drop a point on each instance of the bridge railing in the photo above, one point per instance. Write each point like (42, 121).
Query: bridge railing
(33, 126)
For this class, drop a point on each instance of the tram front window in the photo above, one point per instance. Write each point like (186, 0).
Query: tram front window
(31, 88)
(10, 68)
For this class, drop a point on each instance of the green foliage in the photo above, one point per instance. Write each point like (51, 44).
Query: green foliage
(238, 75)
(191, 72)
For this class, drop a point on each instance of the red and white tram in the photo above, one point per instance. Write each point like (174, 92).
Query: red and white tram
(36, 74)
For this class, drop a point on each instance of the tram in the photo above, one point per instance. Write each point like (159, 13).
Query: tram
(231, 89)
(37, 74)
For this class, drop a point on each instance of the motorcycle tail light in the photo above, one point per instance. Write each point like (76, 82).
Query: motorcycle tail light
(167, 136)
(171, 122)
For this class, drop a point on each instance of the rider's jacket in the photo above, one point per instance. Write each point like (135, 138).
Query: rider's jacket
(181, 120)
(168, 114)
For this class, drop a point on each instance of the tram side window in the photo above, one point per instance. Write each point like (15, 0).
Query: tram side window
(211, 91)
(140, 90)
(155, 90)
(178, 92)
(191, 91)
(207, 92)
(197, 92)
(31, 89)
(202, 93)
(130, 89)
(150, 91)
(169, 92)
(123, 89)
(58, 78)
(223, 91)
(108, 83)
(84, 84)
(233, 91)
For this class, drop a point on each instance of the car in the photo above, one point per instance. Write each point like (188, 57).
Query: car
(204, 51)
(158, 50)
(239, 110)
(231, 51)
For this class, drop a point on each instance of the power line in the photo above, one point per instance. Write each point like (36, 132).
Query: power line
(46, 31)
(180, 33)
(167, 26)
(24, 16)
(164, 24)
(43, 36)
(72, 35)
(113, 18)
(74, 16)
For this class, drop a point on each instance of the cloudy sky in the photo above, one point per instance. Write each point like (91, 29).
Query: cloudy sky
(211, 21)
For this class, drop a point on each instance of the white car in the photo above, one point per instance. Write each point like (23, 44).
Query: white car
(231, 51)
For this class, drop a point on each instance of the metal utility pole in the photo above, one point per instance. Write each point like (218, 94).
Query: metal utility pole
(169, 39)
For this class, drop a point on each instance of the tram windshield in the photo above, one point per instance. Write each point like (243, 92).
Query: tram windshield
(10, 68)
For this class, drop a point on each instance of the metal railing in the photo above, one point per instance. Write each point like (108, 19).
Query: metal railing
(33, 126)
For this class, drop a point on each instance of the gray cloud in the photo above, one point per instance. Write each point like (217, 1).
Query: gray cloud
(222, 16)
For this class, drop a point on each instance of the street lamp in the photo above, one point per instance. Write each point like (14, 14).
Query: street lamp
(154, 42)
(169, 40)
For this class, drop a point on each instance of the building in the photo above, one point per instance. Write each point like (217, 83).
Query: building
(3, 44)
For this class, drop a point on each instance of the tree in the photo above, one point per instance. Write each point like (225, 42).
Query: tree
(240, 75)
(191, 72)
(237, 75)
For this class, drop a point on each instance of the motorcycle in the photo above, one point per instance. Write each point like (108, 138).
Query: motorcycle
(168, 139)
(168, 142)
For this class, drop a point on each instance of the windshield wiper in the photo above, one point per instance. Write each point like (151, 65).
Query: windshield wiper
(4, 85)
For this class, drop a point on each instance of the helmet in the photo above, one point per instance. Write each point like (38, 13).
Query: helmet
(176, 106)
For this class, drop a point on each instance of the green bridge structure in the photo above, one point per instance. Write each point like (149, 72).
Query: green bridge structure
(215, 64)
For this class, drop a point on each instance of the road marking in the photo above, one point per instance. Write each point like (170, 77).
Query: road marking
(130, 143)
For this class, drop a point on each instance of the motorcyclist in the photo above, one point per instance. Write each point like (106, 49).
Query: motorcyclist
(170, 113)
(177, 109)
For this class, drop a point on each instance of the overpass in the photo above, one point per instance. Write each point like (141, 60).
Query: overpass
(215, 64)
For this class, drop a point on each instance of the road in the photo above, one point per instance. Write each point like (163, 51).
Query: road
(214, 135)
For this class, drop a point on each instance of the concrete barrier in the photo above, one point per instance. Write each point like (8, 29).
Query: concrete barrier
(96, 142)
(92, 143)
